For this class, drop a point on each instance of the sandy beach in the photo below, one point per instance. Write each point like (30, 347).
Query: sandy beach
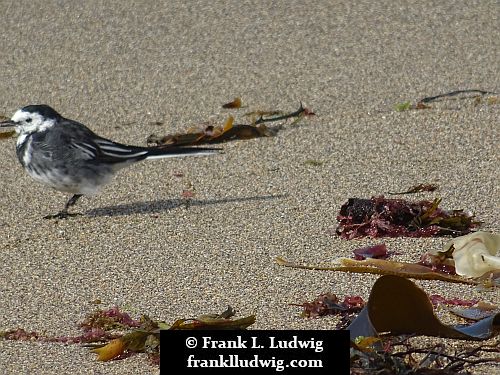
(129, 69)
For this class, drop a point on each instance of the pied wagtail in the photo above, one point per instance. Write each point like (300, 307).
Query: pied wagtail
(69, 157)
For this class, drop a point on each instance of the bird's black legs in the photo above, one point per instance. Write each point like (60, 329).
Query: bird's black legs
(64, 213)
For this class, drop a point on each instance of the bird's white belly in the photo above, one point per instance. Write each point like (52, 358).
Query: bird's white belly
(65, 183)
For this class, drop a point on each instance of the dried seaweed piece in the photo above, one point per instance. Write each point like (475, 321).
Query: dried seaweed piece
(437, 264)
(406, 106)
(324, 304)
(213, 322)
(475, 96)
(493, 100)
(461, 93)
(210, 134)
(329, 304)
(111, 350)
(403, 106)
(313, 163)
(299, 113)
(417, 189)
(381, 267)
(97, 327)
(437, 299)
(7, 123)
(236, 103)
(354, 302)
(421, 105)
(382, 217)
(20, 334)
(108, 319)
(263, 113)
(5, 135)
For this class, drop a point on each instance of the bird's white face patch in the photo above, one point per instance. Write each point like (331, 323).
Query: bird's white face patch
(28, 122)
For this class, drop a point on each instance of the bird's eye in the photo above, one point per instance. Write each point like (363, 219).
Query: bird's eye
(28, 120)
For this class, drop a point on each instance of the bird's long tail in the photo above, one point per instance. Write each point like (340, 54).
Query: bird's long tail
(176, 152)
(117, 152)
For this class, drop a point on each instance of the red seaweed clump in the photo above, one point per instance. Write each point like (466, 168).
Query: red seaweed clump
(382, 217)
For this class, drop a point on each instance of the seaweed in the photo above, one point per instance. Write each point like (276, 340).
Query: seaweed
(383, 217)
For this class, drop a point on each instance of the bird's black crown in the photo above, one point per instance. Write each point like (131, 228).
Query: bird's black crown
(42, 109)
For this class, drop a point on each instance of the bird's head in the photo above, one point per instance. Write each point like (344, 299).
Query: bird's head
(32, 118)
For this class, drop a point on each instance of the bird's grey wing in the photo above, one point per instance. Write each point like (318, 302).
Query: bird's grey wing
(67, 140)
(88, 145)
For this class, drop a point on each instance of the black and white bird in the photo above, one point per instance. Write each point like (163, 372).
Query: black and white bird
(69, 157)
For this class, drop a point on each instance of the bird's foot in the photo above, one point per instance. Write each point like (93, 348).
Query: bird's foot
(61, 215)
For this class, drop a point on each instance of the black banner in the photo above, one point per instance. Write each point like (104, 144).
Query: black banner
(255, 352)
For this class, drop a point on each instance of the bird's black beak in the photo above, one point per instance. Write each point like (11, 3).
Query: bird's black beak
(7, 124)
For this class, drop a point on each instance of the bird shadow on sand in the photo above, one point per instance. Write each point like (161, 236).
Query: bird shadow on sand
(162, 205)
